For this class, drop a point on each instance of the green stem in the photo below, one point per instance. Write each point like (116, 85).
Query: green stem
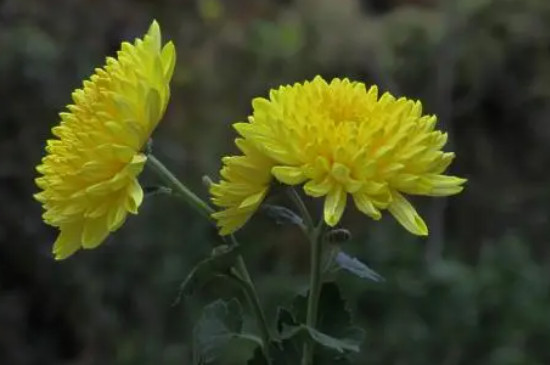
(315, 238)
(315, 234)
(254, 303)
(182, 191)
(304, 212)
(206, 211)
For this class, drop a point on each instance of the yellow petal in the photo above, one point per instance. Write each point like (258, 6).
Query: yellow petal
(154, 35)
(116, 217)
(335, 203)
(135, 197)
(318, 188)
(443, 185)
(365, 205)
(94, 233)
(341, 173)
(288, 175)
(153, 108)
(254, 200)
(168, 56)
(68, 241)
(405, 214)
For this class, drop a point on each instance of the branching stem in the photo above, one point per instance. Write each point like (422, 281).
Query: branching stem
(240, 267)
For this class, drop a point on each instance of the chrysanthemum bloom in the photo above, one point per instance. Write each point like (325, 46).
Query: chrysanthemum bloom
(336, 138)
(90, 170)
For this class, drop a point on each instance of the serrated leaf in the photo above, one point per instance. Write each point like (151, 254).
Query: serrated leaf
(356, 267)
(218, 331)
(334, 315)
(218, 264)
(284, 318)
(334, 320)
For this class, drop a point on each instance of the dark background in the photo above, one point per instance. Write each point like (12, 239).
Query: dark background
(477, 291)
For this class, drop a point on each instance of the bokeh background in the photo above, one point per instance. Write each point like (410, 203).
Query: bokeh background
(477, 291)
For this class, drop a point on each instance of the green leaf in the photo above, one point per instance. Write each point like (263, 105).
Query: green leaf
(354, 266)
(284, 318)
(218, 333)
(334, 320)
(217, 265)
(338, 344)
(284, 351)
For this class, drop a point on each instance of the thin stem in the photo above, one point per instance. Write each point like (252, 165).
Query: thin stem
(315, 238)
(253, 299)
(315, 234)
(297, 200)
(182, 191)
(205, 210)
(254, 303)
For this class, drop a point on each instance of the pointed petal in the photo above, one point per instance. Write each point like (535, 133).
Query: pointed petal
(365, 205)
(288, 175)
(68, 241)
(335, 203)
(405, 214)
(253, 201)
(318, 188)
(168, 57)
(135, 197)
(94, 233)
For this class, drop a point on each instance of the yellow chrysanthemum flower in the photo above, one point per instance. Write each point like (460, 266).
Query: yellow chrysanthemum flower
(338, 139)
(246, 184)
(90, 170)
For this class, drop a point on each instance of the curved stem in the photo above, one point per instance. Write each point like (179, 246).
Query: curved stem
(253, 299)
(206, 211)
(254, 303)
(182, 191)
(297, 200)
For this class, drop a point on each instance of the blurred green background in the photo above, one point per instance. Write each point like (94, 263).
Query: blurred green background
(477, 291)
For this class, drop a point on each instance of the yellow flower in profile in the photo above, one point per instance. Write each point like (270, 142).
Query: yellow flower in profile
(245, 185)
(90, 170)
(337, 139)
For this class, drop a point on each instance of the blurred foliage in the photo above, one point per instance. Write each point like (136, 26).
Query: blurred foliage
(482, 65)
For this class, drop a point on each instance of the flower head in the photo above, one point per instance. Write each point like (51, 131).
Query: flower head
(338, 139)
(90, 170)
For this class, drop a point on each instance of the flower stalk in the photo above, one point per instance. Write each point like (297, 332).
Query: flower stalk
(180, 190)
(315, 238)
(315, 281)
(254, 303)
